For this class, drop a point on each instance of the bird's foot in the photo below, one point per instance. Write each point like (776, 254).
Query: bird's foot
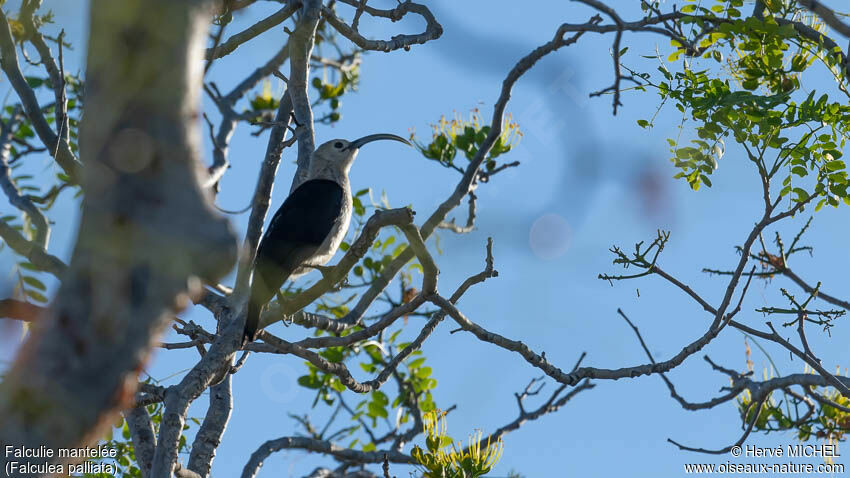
(288, 319)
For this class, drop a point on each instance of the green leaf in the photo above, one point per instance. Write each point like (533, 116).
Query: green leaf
(800, 171)
(34, 82)
(36, 296)
(337, 385)
(32, 281)
(377, 410)
(380, 397)
(310, 381)
(835, 165)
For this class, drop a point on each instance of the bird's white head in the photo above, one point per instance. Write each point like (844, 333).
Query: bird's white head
(332, 160)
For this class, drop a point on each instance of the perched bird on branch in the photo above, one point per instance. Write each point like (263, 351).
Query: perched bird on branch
(309, 227)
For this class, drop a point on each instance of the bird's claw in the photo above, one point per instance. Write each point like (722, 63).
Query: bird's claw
(288, 319)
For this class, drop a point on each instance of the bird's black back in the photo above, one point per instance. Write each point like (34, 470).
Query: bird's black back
(298, 228)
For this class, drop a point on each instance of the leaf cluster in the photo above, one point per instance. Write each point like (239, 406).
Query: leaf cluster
(826, 422)
(441, 458)
(466, 136)
(756, 99)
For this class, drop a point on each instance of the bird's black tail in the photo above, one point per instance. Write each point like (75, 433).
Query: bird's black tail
(260, 296)
(252, 321)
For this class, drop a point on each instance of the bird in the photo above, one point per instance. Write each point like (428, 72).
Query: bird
(309, 226)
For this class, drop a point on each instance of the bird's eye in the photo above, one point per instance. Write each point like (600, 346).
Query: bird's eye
(338, 145)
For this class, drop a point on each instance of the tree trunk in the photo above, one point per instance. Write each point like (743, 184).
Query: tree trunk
(147, 231)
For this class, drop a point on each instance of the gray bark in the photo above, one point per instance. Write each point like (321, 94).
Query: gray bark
(212, 428)
(143, 436)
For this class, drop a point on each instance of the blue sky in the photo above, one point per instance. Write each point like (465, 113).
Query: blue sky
(600, 179)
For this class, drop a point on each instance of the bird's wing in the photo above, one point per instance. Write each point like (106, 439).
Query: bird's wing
(296, 231)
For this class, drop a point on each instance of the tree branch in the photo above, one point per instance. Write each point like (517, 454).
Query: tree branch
(56, 72)
(827, 15)
(253, 31)
(262, 199)
(229, 117)
(58, 146)
(809, 289)
(144, 439)
(300, 49)
(212, 428)
(36, 255)
(146, 228)
(20, 310)
(433, 29)
(252, 467)
(42, 229)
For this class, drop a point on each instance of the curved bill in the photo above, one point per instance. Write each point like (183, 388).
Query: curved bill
(357, 143)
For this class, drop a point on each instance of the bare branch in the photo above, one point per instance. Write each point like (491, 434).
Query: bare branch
(181, 472)
(56, 72)
(553, 404)
(809, 289)
(326, 473)
(270, 67)
(253, 31)
(149, 393)
(368, 331)
(300, 49)
(20, 310)
(433, 29)
(470, 219)
(229, 117)
(815, 363)
(216, 363)
(705, 305)
(212, 428)
(825, 401)
(572, 378)
(827, 15)
(318, 446)
(737, 443)
(684, 403)
(144, 439)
